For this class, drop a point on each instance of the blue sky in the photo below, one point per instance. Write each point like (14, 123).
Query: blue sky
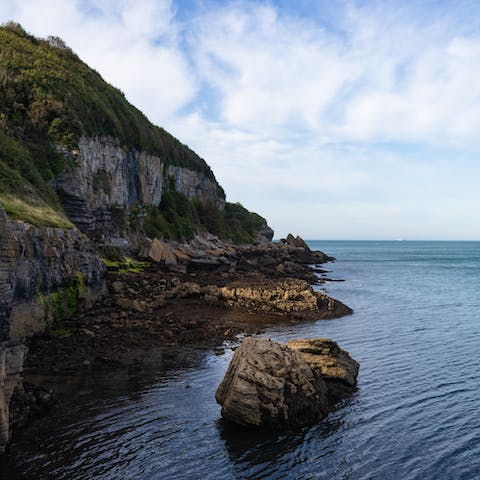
(334, 120)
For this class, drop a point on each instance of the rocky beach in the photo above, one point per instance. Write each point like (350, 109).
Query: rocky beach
(201, 293)
(117, 238)
(205, 297)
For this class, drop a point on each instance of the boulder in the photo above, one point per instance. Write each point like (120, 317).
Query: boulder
(300, 242)
(158, 250)
(265, 235)
(297, 242)
(270, 386)
(337, 367)
(290, 240)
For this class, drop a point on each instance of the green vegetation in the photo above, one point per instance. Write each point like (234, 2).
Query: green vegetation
(177, 217)
(49, 98)
(61, 304)
(47, 88)
(125, 265)
(41, 215)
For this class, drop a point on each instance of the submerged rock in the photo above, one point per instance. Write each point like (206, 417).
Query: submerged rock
(271, 386)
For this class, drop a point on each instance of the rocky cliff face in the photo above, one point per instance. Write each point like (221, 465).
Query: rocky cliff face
(106, 184)
(36, 264)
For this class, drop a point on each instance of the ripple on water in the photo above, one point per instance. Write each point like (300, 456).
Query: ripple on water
(416, 333)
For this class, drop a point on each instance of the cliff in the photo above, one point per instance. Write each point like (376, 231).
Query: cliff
(81, 171)
(45, 273)
(73, 150)
(104, 191)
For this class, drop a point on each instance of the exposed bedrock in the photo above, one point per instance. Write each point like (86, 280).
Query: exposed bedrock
(271, 386)
(36, 263)
(12, 355)
(108, 182)
(289, 297)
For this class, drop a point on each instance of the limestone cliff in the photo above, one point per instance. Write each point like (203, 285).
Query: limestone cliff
(108, 184)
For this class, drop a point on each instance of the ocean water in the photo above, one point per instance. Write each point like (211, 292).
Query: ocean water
(415, 415)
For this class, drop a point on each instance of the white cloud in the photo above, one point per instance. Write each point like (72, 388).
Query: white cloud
(132, 44)
(349, 131)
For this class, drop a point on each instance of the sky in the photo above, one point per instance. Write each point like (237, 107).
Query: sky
(332, 119)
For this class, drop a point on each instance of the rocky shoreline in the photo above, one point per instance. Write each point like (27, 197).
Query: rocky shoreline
(200, 294)
(202, 299)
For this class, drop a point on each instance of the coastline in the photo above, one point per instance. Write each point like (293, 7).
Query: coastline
(191, 303)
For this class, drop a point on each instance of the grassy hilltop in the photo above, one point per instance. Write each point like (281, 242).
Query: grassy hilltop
(49, 98)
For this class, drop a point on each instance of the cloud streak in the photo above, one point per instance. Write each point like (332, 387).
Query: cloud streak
(349, 121)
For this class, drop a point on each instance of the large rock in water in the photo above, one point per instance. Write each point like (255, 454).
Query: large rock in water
(272, 386)
(337, 367)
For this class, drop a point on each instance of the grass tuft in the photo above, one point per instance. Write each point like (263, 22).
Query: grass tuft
(38, 215)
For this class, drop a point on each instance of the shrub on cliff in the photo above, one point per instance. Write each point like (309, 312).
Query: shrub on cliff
(50, 98)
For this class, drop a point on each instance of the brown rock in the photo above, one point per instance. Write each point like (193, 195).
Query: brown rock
(158, 250)
(180, 255)
(269, 386)
(326, 356)
(124, 303)
(300, 242)
(139, 305)
(290, 240)
(289, 297)
(159, 302)
(338, 369)
(117, 286)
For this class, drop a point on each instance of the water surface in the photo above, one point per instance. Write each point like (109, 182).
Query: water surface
(415, 332)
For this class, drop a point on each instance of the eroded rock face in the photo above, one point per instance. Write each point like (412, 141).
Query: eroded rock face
(12, 355)
(269, 386)
(325, 355)
(101, 192)
(336, 366)
(34, 260)
(292, 298)
(46, 259)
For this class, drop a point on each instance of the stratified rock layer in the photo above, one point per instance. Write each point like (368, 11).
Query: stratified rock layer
(337, 367)
(106, 184)
(326, 356)
(272, 386)
(269, 386)
(35, 262)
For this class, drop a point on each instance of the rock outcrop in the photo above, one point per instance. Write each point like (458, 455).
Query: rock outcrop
(45, 261)
(269, 386)
(272, 386)
(12, 355)
(337, 368)
(102, 192)
(34, 264)
(291, 298)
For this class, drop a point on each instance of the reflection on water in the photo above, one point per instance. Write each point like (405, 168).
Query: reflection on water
(415, 332)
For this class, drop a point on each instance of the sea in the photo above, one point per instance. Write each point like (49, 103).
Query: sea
(415, 414)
